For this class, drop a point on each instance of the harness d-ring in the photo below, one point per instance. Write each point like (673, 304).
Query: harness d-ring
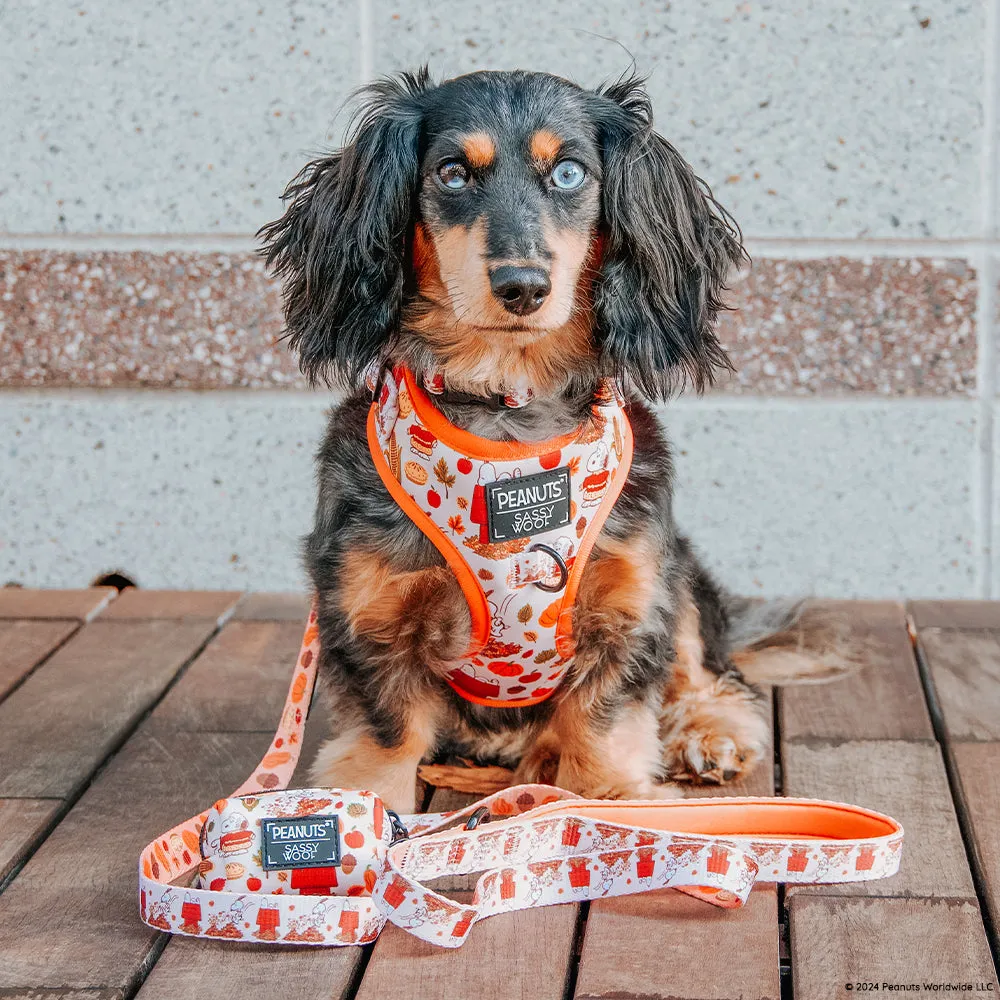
(559, 561)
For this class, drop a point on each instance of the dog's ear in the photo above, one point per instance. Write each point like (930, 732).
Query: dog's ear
(341, 244)
(668, 247)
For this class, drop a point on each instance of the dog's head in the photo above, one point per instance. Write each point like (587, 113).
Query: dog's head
(504, 229)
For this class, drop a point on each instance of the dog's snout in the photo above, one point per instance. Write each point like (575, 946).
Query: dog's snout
(521, 290)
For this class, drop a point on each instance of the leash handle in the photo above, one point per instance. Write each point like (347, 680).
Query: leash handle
(570, 849)
(543, 845)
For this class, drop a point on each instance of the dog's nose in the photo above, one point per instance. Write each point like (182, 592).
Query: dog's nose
(521, 290)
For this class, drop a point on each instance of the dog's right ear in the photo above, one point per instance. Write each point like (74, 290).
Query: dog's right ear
(341, 244)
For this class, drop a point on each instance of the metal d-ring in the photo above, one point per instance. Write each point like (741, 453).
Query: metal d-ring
(559, 561)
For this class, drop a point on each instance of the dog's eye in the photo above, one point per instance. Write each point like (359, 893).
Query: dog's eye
(567, 175)
(453, 175)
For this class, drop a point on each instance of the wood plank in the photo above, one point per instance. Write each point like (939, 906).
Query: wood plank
(273, 607)
(965, 669)
(215, 605)
(24, 644)
(666, 944)
(193, 968)
(59, 725)
(70, 918)
(979, 769)
(22, 602)
(905, 780)
(239, 682)
(836, 942)
(955, 614)
(523, 955)
(75, 901)
(60, 994)
(22, 822)
(713, 954)
(884, 700)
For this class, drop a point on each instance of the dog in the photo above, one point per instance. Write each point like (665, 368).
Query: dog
(520, 245)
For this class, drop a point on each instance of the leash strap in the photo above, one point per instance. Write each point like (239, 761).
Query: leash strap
(543, 845)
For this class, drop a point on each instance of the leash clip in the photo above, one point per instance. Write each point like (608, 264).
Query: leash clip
(481, 815)
(399, 831)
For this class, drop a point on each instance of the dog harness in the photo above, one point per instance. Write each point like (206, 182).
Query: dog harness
(516, 523)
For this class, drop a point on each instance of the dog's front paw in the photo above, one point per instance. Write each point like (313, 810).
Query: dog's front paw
(714, 740)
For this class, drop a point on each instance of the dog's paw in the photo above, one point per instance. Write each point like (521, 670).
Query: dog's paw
(715, 741)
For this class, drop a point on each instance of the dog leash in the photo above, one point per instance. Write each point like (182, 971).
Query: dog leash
(543, 845)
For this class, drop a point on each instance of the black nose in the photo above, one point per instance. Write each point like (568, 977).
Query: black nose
(522, 290)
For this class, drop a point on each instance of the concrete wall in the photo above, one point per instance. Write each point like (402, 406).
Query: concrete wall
(150, 424)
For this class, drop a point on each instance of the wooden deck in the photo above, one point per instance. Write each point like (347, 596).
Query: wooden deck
(120, 715)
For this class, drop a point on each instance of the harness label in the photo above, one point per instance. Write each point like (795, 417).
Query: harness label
(299, 842)
(527, 505)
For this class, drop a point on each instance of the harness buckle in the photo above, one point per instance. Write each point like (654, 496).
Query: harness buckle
(559, 561)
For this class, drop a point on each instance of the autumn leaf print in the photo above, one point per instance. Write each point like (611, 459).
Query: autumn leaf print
(463, 504)
(573, 465)
(484, 574)
(443, 475)
(545, 656)
(524, 615)
(455, 523)
(531, 636)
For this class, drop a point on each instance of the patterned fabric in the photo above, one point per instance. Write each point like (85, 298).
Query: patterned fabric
(542, 846)
(441, 477)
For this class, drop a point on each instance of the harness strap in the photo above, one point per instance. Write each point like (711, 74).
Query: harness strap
(544, 845)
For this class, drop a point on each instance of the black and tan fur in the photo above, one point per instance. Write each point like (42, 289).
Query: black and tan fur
(383, 262)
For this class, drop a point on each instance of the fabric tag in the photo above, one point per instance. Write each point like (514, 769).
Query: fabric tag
(300, 842)
(527, 505)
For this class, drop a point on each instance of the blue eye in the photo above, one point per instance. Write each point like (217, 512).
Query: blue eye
(453, 175)
(567, 175)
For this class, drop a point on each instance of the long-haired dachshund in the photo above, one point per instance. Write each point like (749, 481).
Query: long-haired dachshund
(520, 244)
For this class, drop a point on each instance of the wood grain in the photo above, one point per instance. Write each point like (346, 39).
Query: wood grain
(965, 668)
(200, 968)
(955, 614)
(70, 918)
(23, 644)
(979, 769)
(239, 682)
(898, 941)
(905, 780)
(82, 605)
(883, 700)
(273, 607)
(667, 944)
(214, 605)
(59, 725)
(22, 822)
(76, 899)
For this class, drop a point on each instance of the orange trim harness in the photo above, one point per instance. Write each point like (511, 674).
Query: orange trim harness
(516, 523)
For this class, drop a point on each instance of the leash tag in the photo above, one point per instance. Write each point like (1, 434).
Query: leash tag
(299, 842)
(527, 505)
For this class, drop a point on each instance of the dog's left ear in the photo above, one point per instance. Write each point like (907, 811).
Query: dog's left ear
(668, 248)
(341, 244)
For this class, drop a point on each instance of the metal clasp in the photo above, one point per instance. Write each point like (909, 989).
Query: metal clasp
(481, 815)
(559, 561)
(399, 831)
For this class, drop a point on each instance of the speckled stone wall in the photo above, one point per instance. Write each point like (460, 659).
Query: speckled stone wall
(852, 453)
